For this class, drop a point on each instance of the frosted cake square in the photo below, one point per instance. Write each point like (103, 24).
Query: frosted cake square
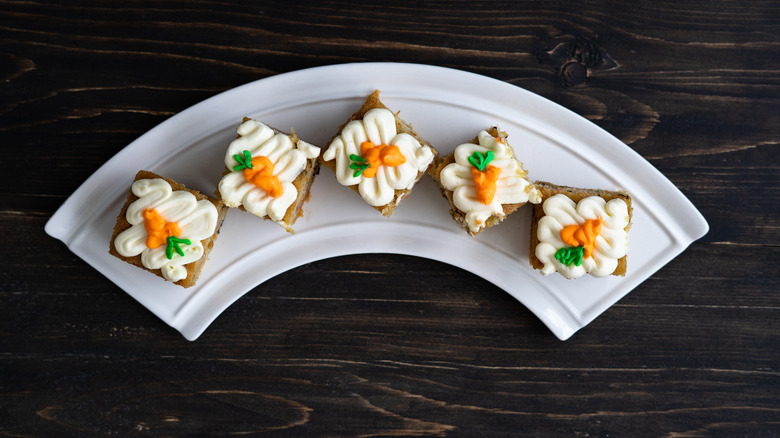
(166, 228)
(484, 181)
(579, 231)
(378, 155)
(268, 173)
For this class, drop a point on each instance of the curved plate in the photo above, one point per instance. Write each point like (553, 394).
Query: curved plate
(447, 107)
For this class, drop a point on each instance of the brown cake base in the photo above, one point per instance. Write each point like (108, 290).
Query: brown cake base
(548, 190)
(401, 126)
(194, 268)
(302, 184)
(459, 216)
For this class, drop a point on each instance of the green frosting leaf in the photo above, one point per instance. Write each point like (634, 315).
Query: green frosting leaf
(173, 245)
(244, 162)
(568, 255)
(359, 164)
(481, 161)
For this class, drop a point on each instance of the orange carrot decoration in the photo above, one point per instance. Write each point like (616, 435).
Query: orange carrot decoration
(375, 156)
(157, 229)
(582, 235)
(484, 176)
(485, 183)
(260, 172)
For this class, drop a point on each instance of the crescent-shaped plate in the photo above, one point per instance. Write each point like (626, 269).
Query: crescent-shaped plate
(447, 107)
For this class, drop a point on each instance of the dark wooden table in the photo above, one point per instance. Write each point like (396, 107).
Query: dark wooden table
(693, 351)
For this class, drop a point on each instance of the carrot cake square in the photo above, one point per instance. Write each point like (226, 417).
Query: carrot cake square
(484, 181)
(579, 231)
(378, 155)
(166, 229)
(268, 173)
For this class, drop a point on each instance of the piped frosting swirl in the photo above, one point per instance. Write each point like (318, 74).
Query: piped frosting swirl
(195, 219)
(266, 148)
(378, 186)
(510, 186)
(607, 246)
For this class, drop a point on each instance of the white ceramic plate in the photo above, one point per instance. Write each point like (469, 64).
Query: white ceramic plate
(447, 107)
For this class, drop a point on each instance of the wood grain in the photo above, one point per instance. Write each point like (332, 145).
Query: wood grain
(389, 345)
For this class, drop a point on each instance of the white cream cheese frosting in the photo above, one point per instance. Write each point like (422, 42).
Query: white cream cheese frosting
(196, 219)
(288, 158)
(378, 127)
(610, 245)
(512, 186)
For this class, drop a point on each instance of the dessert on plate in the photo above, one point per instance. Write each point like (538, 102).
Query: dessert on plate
(166, 229)
(577, 231)
(484, 181)
(378, 155)
(268, 173)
